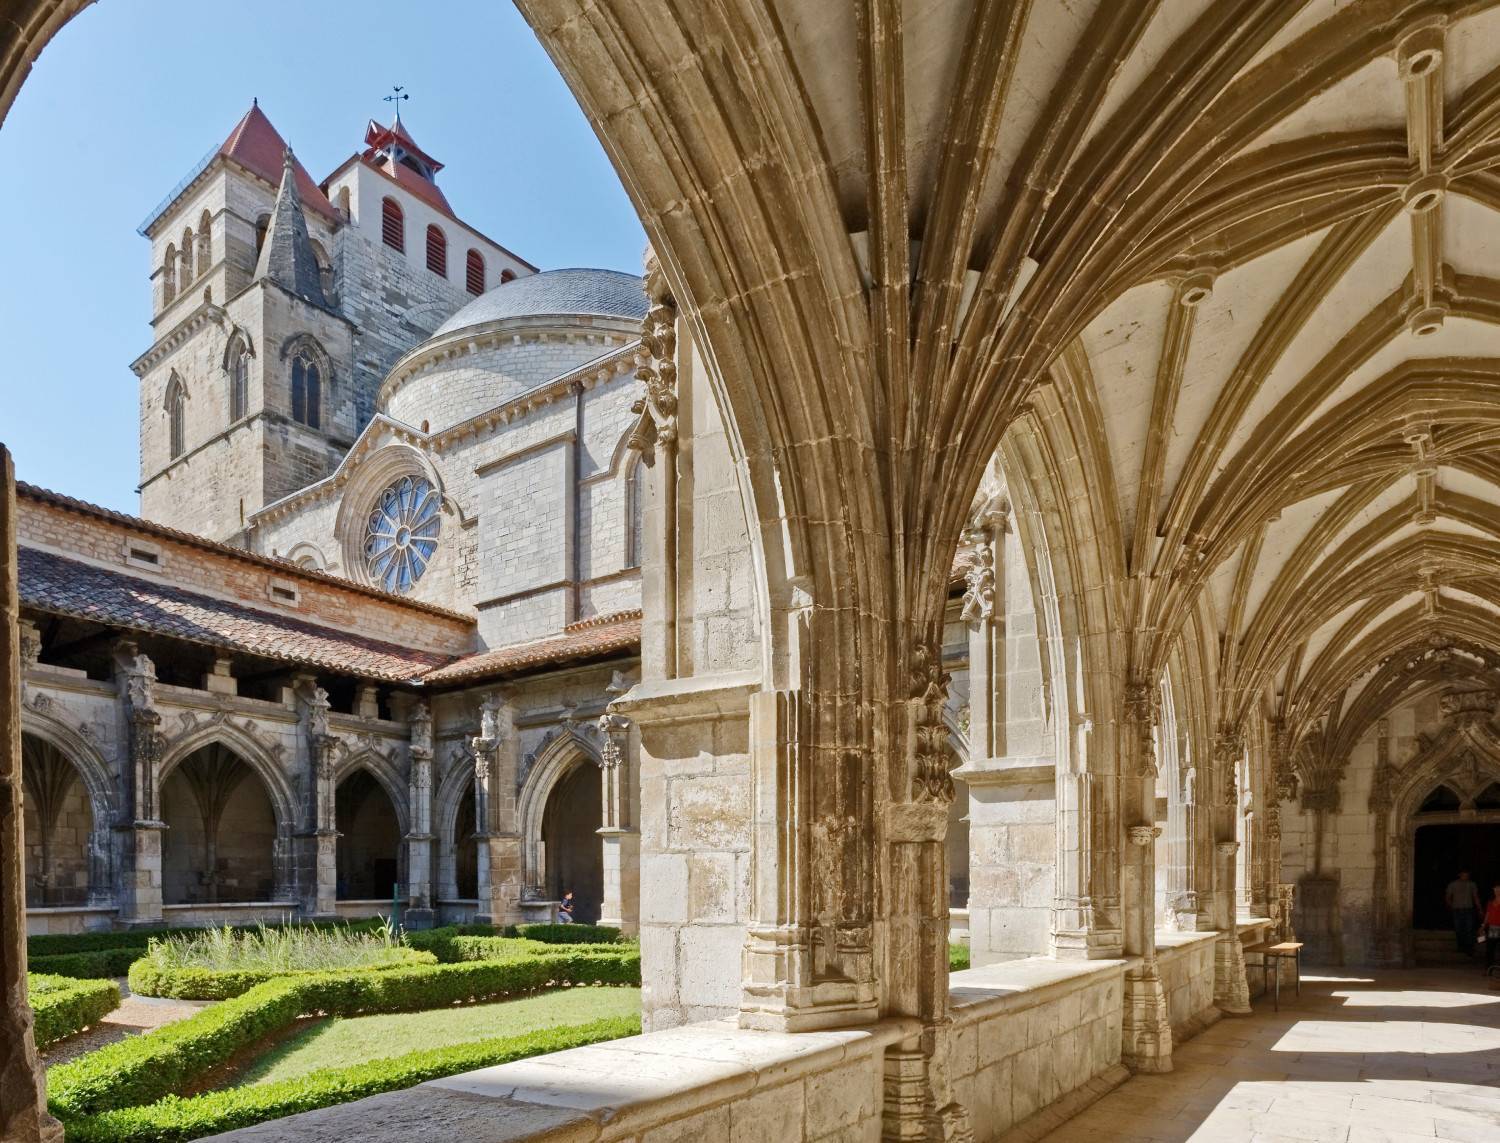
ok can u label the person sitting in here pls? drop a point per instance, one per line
(565, 909)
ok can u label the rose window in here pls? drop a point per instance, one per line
(402, 534)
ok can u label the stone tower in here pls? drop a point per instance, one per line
(279, 306)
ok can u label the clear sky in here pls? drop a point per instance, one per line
(132, 93)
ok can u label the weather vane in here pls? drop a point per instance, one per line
(398, 93)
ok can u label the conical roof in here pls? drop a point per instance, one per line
(287, 258)
(258, 147)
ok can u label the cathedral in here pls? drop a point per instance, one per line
(355, 654)
(1040, 495)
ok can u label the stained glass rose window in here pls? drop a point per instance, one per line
(402, 534)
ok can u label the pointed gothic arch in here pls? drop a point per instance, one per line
(176, 409)
(556, 762)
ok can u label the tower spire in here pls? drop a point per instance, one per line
(287, 256)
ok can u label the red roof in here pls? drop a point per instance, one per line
(257, 146)
(60, 586)
(378, 135)
(595, 638)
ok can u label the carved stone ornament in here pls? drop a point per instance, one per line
(1144, 835)
(421, 728)
(1142, 713)
(657, 409)
(1227, 848)
(614, 733)
(931, 781)
(979, 598)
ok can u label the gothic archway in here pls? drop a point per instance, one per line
(554, 764)
(224, 841)
(569, 851)
(67, 840)
(370, 857)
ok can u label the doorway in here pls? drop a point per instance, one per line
(1440, 852)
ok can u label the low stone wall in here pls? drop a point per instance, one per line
(228, 913)
(70, 919)
(1186, 964)
(1254, 930)
(1035, 1041)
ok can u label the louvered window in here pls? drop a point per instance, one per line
(392, 224)
(437, 251)
(474, 272)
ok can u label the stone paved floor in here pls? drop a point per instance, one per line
(1361, 1057)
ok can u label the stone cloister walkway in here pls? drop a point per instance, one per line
(1362, 1056)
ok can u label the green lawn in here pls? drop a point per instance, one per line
(338, 1043)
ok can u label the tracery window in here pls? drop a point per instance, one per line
(169, 274)
(392, 224)
(205, 242)
(307, 391)
(437, 251)
(402, 533)
(187, 258)
(176, 416)
(474, 272)
(239, 381)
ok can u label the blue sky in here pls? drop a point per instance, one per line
(132, 93)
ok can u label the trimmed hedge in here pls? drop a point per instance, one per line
(60, 944)
(566, 934)
(149, 979)
(64, 1005)
(173, 1119)
(958, 957)
(89, 965)
(147, 1068)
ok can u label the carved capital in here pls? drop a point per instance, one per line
(931, 781)
(1143, 835)
(1227, 848)
(614, 736)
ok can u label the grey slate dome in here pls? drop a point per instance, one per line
(601, 293)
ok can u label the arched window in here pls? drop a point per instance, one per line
(507, 276)
(343, 203)
(176, 416)
(392, 224)
(205, 242)
(307, 391)
(262, 225)
(437, 251)
(187, 258)
(325, 268)
(239, 380)
(474, 272)
(169, 275)
(635, 512)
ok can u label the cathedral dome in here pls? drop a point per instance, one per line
(600, 293)
(510, 340)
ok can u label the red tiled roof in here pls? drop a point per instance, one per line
(285, 567)
(589, 639)
(411, 182)
(60, 586)
(257, 146)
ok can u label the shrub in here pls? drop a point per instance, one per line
(59, 944)
(64, 1005)
(958, 958)
(147, 1068)
(102, 963)
(566, 934)
(148, 978)
(173, 1119)
(279, 948)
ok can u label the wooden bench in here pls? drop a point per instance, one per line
(1272, 953)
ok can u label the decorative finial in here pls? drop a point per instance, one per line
(286, 158)
(396, 96)
(255, 101)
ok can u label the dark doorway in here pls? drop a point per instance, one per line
(570, 837)
(1441, 851)
(369, 845)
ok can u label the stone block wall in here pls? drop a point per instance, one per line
(1186, 964)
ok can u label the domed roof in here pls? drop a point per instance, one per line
(603, 293)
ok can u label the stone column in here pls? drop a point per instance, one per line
(317, 842)
(1231, 989)
(1385, 941)
(419, 911)
(140, 827)
(500, 873)
(1147, 1031)
(619, 838)
(23, 1100)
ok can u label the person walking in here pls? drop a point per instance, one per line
(1462, 897)
(565, 909)
(1492, 927)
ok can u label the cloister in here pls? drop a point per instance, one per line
(1137, 358)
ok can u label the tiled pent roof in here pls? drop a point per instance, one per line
(592, 638)
(60, 586)
(57, 585)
